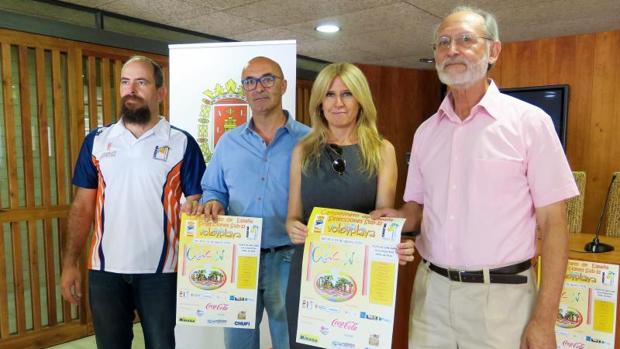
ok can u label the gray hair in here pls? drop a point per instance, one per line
(157, 72)
(490, 23)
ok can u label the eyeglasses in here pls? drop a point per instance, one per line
(464, 40)
(338, 163)
(266, 81)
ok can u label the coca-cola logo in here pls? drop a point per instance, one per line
(346, 325)
(569, 344)
(217, 307)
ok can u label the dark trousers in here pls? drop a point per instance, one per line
(114, 298)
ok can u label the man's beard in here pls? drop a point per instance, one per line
(474, 72)
(140, 114)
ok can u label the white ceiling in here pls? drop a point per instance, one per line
(381, 32)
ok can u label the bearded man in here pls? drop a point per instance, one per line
(130, 176)
(486, 170)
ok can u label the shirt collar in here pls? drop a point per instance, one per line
(160, 130)
(492, 102)
(288, 125)
(489, 102)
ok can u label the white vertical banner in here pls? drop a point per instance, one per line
(206, 98)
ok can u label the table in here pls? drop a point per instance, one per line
(578, 241)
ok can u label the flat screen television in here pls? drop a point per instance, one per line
(553, 99)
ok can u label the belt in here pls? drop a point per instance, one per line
(275, 249)
(504, 275)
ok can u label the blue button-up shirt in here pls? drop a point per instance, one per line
(251, 178)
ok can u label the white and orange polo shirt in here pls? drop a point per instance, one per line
(139, 182)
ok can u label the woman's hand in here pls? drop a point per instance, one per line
(297, 231)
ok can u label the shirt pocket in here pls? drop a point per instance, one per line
(496, 180)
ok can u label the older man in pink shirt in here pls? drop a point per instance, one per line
(485, 171)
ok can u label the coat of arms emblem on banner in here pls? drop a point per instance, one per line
(223, 108)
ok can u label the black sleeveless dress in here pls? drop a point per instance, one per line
(323, 186)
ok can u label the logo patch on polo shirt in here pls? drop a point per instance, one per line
(109, 153)
(161, 152)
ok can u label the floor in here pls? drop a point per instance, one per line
(89, 342)
(187, 337)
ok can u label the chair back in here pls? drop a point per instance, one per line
(575, 205)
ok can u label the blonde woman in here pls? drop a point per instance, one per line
(342, 163)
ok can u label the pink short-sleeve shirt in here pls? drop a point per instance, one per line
(481, 179)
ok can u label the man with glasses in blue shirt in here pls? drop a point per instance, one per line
(249, 176)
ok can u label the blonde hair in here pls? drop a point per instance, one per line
(368, 138)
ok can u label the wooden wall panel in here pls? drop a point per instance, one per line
(106, 91)
(165, 105)
(4, 299)
(118, 64)
(75, 101)
(26, 115)
(58, 129)
(50, 80)
(589, 65)
(404, 99)
(92, 92)
(76, 131)
(9, 125)
(45, 186)
(302, 95)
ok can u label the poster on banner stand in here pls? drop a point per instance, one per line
(349, 276)
(206, 97)
(587, 314)
(217, 275)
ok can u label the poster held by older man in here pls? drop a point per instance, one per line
(587, 314)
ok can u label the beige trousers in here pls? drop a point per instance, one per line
(450, 314)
